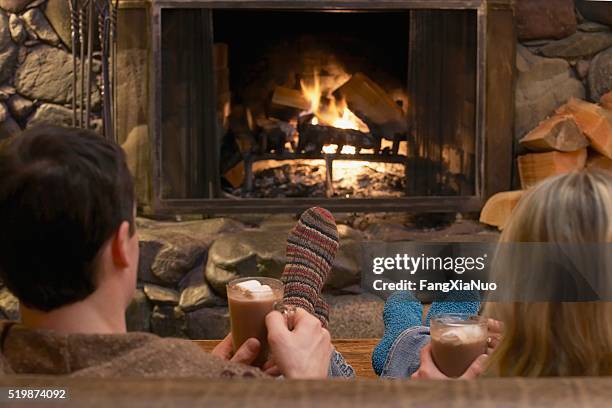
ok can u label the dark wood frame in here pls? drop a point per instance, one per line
(494, 113)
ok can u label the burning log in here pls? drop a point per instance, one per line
(594, 121)
(560, 132)
(374, 106)
(273, 135)
(291, 98)
(314, 137)
(498, 208)
(535, 167)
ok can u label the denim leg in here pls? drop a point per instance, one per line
(404, 356)
(338, 367)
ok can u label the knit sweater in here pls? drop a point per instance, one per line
(43, 352)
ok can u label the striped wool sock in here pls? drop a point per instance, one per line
(311, 248)
(321, 310)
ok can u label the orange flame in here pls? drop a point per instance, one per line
(335, 112)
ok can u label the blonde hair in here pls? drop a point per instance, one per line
(558, 338)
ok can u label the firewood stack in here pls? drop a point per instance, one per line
(563, 142)
(579, 134)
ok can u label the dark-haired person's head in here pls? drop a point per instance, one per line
(66, 219)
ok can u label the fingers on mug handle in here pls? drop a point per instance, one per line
(288, 312)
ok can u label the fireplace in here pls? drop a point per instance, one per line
(355, 105)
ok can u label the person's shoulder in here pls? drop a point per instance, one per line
(154, 356)
(188, 355)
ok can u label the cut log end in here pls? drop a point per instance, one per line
(498, 209)
(594, 121)
(235, 175)
(559, 132)
(535, 167)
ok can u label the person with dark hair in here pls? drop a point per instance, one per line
(69, 253)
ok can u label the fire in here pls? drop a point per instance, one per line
(348, 150)
(333, 148)
(329, 149)
(332, 112)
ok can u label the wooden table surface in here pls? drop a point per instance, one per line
(357, 352)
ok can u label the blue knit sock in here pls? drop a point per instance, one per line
(454, 303)
(401, 312)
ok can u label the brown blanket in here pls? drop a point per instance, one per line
(28, 351)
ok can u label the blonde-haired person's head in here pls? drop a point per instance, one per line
(557, 338)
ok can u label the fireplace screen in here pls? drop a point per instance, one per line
(272, 104)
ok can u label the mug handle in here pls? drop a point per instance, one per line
(288, 312)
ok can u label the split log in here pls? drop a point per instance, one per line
(240, 124)
(367, 100)
(536, 167)
(606, 101)
(496, 212)
(559, 132)
(594, 121)
(220, 55)
(314, 137)
(599, 161)
(291, 98)
(273, 135)
(235, 175)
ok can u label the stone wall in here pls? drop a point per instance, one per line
(185, 266)
(564, 51)
(36, 66)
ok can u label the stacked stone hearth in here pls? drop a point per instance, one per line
(36, 66)
(184, 267)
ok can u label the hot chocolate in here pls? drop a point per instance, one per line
(456, 341)
(250, 300)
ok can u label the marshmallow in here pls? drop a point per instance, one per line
(254, 288)
(265, 288)
(250, 285)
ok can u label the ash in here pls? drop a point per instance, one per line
(350, 180)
